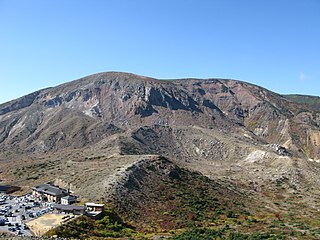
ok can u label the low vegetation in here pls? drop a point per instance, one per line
(164, 197)
(264, 226)
(110, 225)
(312, 101)
(224, 233)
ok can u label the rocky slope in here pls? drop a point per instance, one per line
(86, 111)
(88, 134)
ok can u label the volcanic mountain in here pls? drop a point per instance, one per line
(85, 111)
(100, 136)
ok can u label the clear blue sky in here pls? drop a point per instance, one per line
(272, 43)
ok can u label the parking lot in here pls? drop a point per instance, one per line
(15, 212)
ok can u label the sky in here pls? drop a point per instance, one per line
(271, 43)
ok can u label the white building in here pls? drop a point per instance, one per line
(67, 200)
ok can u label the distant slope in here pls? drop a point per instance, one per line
(312, 101)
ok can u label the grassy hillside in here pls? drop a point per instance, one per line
(312, 101)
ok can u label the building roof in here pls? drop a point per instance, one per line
(70, 198)
(4, 188)
(9, 189)
(50, 189)
(68, 207)
(94, 205)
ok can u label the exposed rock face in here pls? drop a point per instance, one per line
(85, 111)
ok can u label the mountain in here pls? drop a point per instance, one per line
(93, 134)
(85, 111)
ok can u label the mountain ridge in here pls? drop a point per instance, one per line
(150, 101)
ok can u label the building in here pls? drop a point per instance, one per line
(94, 207)
(67, 200)
(4, 189)
(74, 209)
(8, 189)
(50, 193)
(94, 210)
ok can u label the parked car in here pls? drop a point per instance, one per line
(2, 222)
(24, 227)
(8, 207)
(8, 214)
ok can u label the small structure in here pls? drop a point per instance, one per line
(68, 200)
(94, 210)
(74, 209)
(4, 189)
(49, 192)
(8, 189)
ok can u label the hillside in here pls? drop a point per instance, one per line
(117, 137)
(310, 101)
(86, 111)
